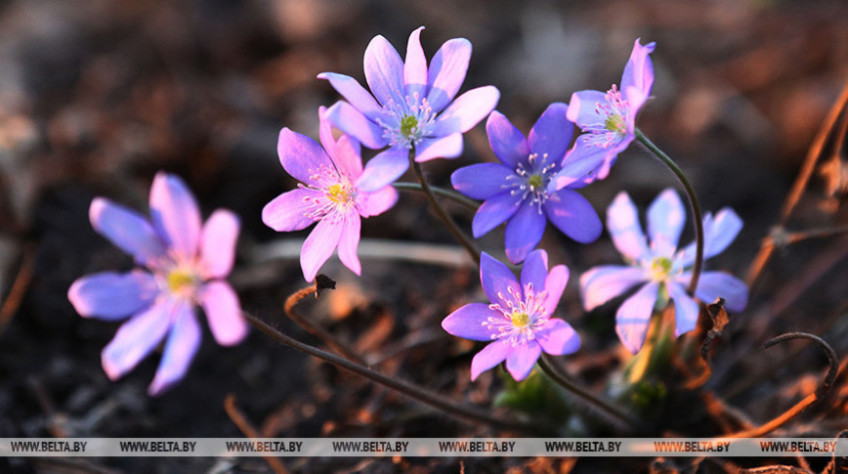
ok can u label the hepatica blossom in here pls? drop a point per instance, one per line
(516, 189)
(327, 194)
(185, 266)
(518, 321)
(413, 108)
(661, 266)
(608, 118)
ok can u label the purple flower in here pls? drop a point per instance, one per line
(328, 194)
(608, 118)
(661, 267)
(186, 266)
(411, 109)
(518, 321)
(516, 189)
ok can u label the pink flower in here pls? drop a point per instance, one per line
(327, 194)
(186, 264)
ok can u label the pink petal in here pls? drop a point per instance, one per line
(624, 227)
(127, 230)
(354, 93)
(521, 359)
(639, 70)
(179, 351)
(384, 71)
(558, 338)
(467, 111)
(301, 156)
(582, 109)
(218, 244)
(113, 296)
(138, 337)
(352, 122)
(292, 210)
(377, 202)
(175, 214)
(603, 283)
(382, 170)
(447, 72)
(223, 312)
(554, 286)
(415, 65)
(319, 246)
(347, 157)
(440, 147)
(471, 322)
(349, 241)
(634, 315)
(491, 355)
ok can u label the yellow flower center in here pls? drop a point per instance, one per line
(179, 279)
(408, 124)
(535, 181)
(519, 319)
(661, 267)
(615, 123)
(338, 193)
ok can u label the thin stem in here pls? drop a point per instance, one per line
(451, 225)
(317, 331)
(411, 390)
(609, 411)
(693, 202)
(456, 197)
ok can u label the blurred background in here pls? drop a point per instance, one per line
(96, 96)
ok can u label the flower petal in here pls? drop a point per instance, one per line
(447, 71)
(302, 156)
(415, 65)
(639, 70)
(554, 286)
(320, 244)
(481, 180)
(471, 322)
(506, 141)
(623, 225)
(349, 242)
(552, 133)
(520, 361)
(467, 111)
(352, 122)
(583, 108)
(138, 337)
(666, 217)
(712, 285)
(439, 147)
(524, 231)
(383, 169)
(719, 233)
(685, 309)
(354, 93)
(223, 312)
(377, 202)
(127, 230)
(218, 243)
(535, 270)
(175, 214)
(290, 211)
(558, 337)
(490, 356)
(384, 71)
(582, 165)
(632, 318)
(347, 157)
(603, 283)
(113, 296)
(498, 282)
(182, 344)
(572, 214)
(493, 212)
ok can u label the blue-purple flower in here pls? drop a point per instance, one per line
(661, 266)
(327, 194)
(517, 188)
(518, 321)
(186, 264)
(608, 118)
(413, 108)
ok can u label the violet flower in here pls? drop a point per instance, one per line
(518, 321)
(516, 189)
(327, 194)
(661, 267)
(608, 118)
(411, 109)
(186, 264)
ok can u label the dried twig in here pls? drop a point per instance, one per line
(247, 428)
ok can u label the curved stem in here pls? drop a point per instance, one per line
(409, 389)
(693, 202)
(609, 411)
(451, 225)
(456, 197)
